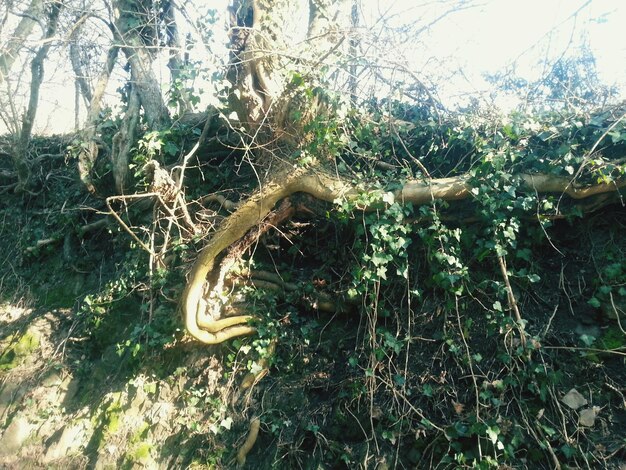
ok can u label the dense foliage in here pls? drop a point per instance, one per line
(364, 282)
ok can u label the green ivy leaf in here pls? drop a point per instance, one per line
(594, 302)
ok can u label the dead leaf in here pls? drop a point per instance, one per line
(588, 416)
(574, 399)
(458, 407)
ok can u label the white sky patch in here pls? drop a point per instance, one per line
(483, 37)
(504, 34)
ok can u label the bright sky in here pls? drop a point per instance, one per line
(524, 31)
(487, 36)
(491, 35)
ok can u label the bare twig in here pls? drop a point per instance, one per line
(512, 301)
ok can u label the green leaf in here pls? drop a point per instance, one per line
(389, 198)
(492, 433)
(171, 148)
(594, 302)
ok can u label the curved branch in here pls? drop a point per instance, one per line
(330, 188)
(233, 229)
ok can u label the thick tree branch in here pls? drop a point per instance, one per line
(89, 148)
(11, 49)
(331, 188)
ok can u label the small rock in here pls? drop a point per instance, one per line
(52, 380)
(10, 394)
(70, 441)
(574, 399)
(587, 416)
(70, 385)
(14, 436)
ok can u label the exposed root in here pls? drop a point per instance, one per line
(82, 231)
(255, 424)
(252, 378)
(221, 200)
(326, 187)
(234, 229)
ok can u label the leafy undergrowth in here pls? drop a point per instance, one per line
(420, 362)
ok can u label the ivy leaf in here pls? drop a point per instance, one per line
(594, 302)
(389, 198)
(171, 148)
(382, 272)
(534, 278)
(226, 423)
(492, 433)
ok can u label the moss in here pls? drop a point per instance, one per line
(141, 433)
(58, 297)
(107, 422)
(141, 453)
(613, 338)
(111, 416)
(17, 349)
(113, 420)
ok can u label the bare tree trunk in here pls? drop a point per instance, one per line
(21, 162)
(130, 21)
(10, 50)
(77, 67)
(89, 149)
(124, 140)
(175, 63)
(353, 54)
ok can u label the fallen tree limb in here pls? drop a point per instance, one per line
(329, 188)
(81, 231)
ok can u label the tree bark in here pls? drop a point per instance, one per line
(124, 140)
(330, 188)
(175, 63)
(130, 18)
(21, 163)
(89, 147)
(79, 74)
(11, 49)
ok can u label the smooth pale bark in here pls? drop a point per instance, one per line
(264, 51)
(79, 74)
(11, 50)
(148, 87)
(330, 188)
(124, 140)
(176, 63)
(89, 147)
(21, 163)
(130, 19)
